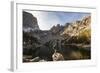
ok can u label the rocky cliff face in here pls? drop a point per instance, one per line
(79, 29)
(29, 22)
(75, 27)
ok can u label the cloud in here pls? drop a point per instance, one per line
(46, 19)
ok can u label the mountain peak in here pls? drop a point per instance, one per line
(29, 22)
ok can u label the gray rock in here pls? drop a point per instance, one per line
(36, 59)
(29, 22)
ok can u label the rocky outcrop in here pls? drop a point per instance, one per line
(29, 22)
(57, 56)
(75, 27)
(78, 30)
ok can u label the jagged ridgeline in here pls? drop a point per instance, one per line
(79, 31)
(70, 41)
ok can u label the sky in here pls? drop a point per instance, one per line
(47, 19)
